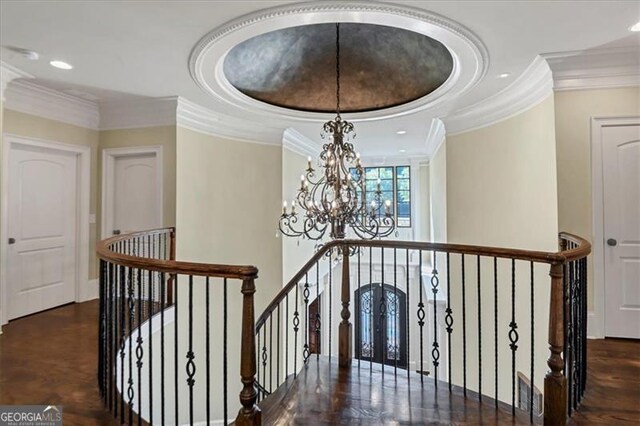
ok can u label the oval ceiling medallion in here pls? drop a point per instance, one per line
(395, 60)
(380, 67)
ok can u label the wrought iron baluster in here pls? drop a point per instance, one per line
(371, 320)
(317, 323)
(131, 306)
(173, 278)
(259, 359)
(532, 347)
(359, 315)
(479, 331)
(296, 324)
(123, 307)
(495, 328)
(448, 319)
(396, 313)
(225, 353)
(464, 329)
(286, 337)
(191, 366)
(383, 316)
(330, 299)
(407, 335)
(421, 317)
(151, 302)
(207, 343)
(305, 295)
(513, 337)
(265, 357)
(162, 308)
(435, 351)
(270, 352)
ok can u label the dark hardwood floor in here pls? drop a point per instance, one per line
(50, 358)
(612, 396)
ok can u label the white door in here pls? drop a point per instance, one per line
(42, 228)
(621, 181)
(136, 198)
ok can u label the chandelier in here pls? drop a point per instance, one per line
(334, 197)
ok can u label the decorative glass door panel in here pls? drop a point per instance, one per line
(381, 325)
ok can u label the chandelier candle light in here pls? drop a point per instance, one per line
(336, 198)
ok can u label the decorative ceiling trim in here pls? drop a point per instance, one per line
(30, 98)
(595, 68)
(435, 137)
(471, 58)
(533, 86)
(295, 141)
(204, 120)
(134, 114)
(7, 74)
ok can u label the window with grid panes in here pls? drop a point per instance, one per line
(395, 186)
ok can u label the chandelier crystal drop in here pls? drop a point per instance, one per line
(333, 197)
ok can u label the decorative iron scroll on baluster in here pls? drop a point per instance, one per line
(421, 317)
(305, 295)
(435, 352)
(448, 319)
(513, 337)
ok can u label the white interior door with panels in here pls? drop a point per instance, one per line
(132, 190)
(621, 196)
(46, 240)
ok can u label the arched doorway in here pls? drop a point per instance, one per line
(381, 324)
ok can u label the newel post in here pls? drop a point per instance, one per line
(249, 414)
(344, 331)
(555, 383)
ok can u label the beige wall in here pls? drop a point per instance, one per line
(164, 136)
(26, 125)
(502, 191)
(438, 194)
(228, 202)
(573, 113)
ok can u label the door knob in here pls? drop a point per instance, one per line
(12, 240)
(612, 242)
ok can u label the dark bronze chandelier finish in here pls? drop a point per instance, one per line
(335, 199)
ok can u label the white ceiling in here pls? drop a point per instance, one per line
(127, 50)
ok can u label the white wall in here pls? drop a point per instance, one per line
(438, 194)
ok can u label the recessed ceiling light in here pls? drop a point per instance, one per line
(402, 150)
(635, 28)
(504, 75)
(401, 132)
(61, 65)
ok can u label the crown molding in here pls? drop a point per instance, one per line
(30, 98)
(295, 141)
(151, 112)
(204, 120)
(595, 68)
(435, 137)
(7, 74)
(533, 86)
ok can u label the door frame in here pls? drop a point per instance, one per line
(108, 181)
(83, 179)
(596, 319)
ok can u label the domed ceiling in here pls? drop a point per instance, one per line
(380, 67)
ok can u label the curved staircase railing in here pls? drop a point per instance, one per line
(156, 331)
(151, 355)
(438, 310)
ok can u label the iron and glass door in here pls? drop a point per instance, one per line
(381, 325)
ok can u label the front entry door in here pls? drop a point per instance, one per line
(42, 229)
(621, 181)
(380, 327)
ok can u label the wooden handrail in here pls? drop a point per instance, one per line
(584, 248)
(169, 266)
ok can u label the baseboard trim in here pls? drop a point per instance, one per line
(90, 291)
(594, 326)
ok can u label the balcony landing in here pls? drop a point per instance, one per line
(324, 394)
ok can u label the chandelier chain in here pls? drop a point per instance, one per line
(338, 69)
